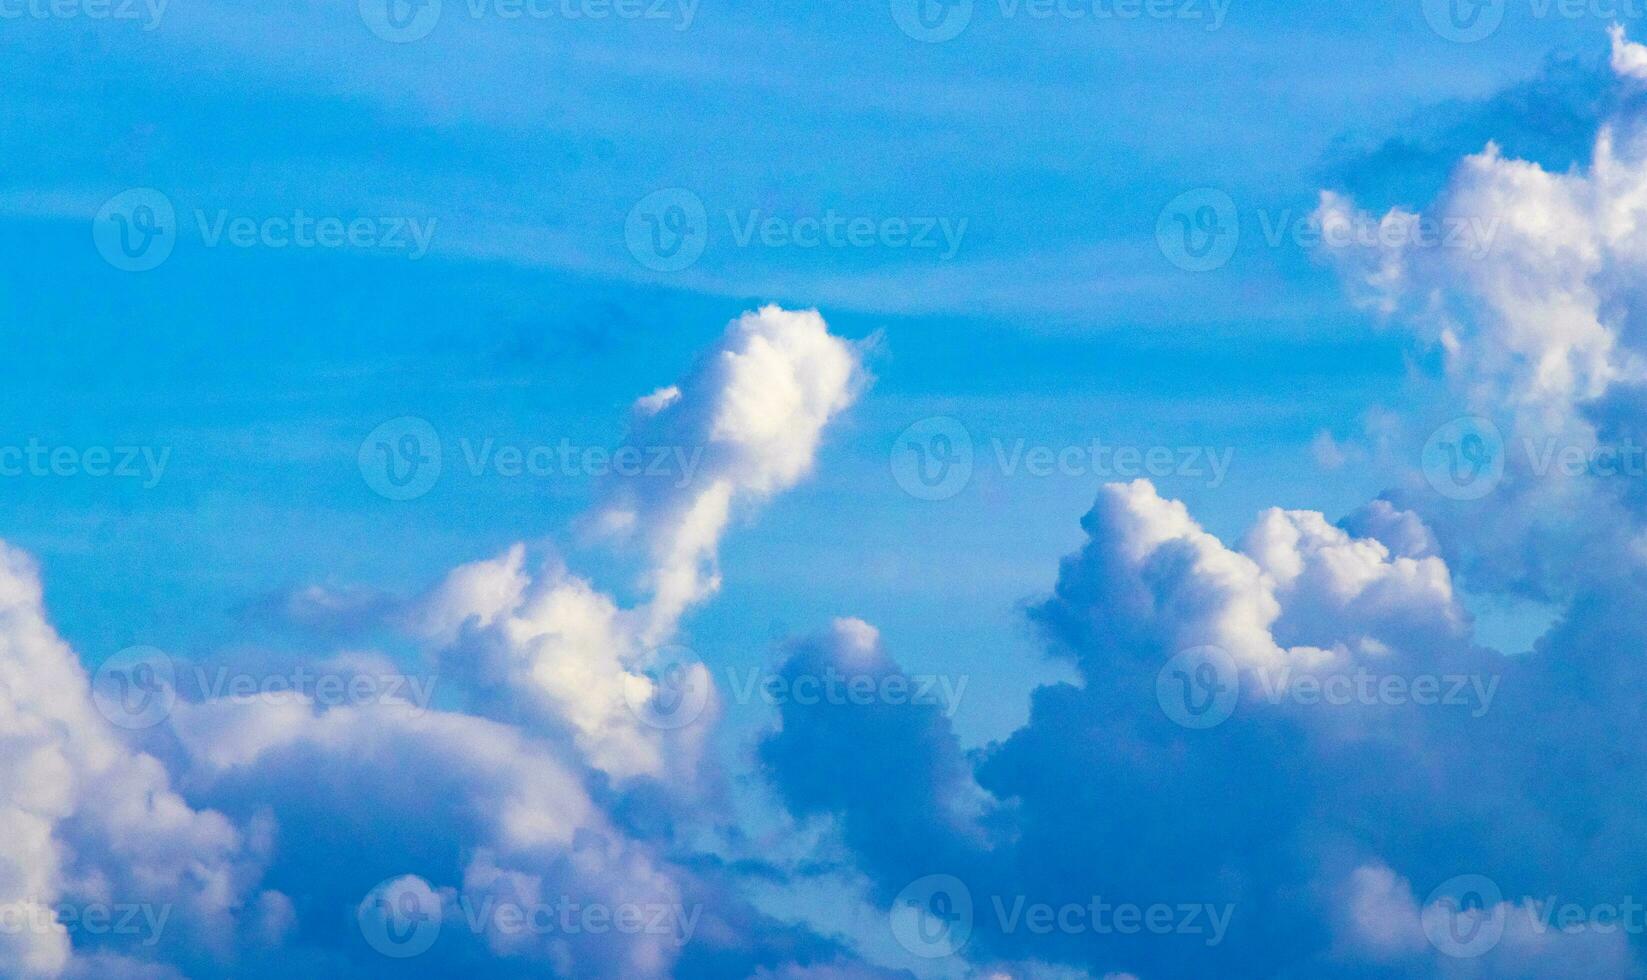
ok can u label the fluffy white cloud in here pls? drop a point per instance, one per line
(563, 653)
(1162, 573)
(1338, 589)
(1298, 593)
(1527, 278)
(84, 818)
(756, 407)
(1629, 59)
(1529, 281)
(745, 424)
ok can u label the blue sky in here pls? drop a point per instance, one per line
(1057, 142)
(1039, 309)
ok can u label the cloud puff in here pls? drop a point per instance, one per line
(1528, 281)
(1629, 60)
(1150, 578)
(745, 424)
(750, 417)
(552, 651)
(1524, 276)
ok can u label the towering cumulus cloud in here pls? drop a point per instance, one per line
(756, 406)
(744, 425)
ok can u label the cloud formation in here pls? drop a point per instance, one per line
(337, 837)
(1303, 728)
(1288, 754)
